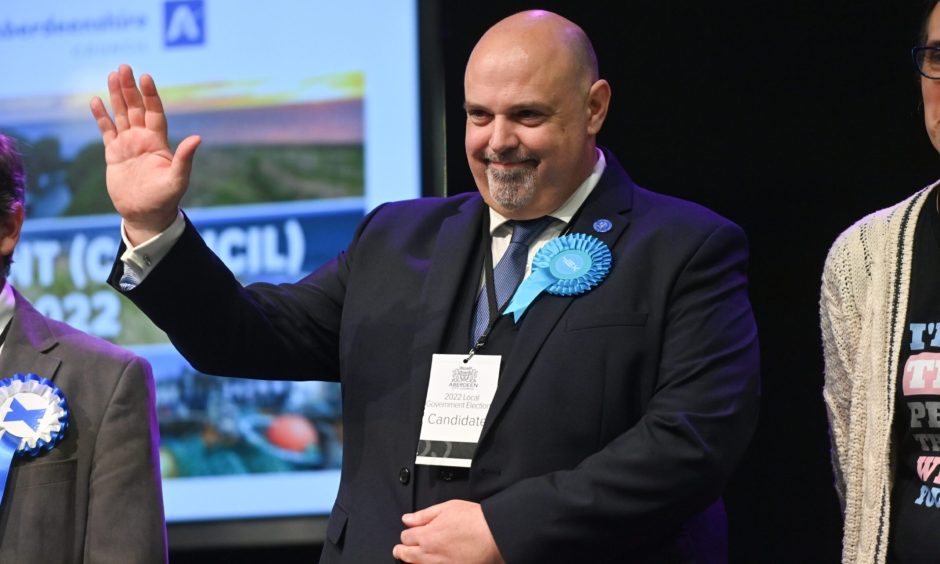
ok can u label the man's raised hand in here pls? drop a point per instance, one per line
(145, 179)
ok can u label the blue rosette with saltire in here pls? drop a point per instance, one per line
(33, 418)
(566, 266)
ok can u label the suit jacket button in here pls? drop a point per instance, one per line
(404, 476)
(447, 475)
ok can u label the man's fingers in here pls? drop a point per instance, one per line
(406, 553)
(409, 537)
(132, 107)
(422, 517)
(132, 97)
(105, 125)
(117, 102)
(154, 116)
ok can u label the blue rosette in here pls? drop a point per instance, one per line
(566, 266)
(33, 418)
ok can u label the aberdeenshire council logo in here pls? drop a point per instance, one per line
(463, 378)
(184, 23)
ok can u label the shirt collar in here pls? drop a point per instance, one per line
(566, 211)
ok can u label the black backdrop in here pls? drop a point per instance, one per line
(793, 119)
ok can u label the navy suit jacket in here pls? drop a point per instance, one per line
(619, 414)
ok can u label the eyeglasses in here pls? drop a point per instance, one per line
(927, 61)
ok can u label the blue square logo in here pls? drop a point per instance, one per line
(184, 23)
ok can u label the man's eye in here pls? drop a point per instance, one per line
(529, 116)
(933, 57)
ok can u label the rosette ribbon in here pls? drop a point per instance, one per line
(566, 266)
(33, 418)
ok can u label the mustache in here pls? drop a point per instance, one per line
(512, 157)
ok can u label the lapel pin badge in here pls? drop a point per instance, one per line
(603, 225)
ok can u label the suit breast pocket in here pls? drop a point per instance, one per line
(43, 474)
(578, 321)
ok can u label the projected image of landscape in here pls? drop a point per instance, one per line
(296, 148)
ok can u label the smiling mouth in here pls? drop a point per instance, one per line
(514, 163)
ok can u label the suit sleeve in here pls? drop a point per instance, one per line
(675, 461)
(284, 332)
(125, 501)
(840, 326)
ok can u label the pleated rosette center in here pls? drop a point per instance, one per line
(33, 413)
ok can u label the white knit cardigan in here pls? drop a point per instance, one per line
(863, 306)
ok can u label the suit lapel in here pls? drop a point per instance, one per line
(453, 248)
(611, 199)
(28, 343)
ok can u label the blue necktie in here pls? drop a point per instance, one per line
(509, 272)
(129, 280)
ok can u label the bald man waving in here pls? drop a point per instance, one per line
(560, 367)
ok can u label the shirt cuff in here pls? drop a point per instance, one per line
(143, 258)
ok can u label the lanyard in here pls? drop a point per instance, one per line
(489, 287)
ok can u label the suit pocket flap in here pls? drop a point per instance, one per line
(41, 474)
(605, 319)
(337, 524)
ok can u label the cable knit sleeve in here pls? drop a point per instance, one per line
(844, 278)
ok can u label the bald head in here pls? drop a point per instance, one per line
(534, 106)
(538, 37)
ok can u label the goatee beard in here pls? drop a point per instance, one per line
(512, 189)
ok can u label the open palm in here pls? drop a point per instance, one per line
(145, 179)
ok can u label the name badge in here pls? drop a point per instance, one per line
(459, 396)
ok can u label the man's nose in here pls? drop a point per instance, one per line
(503, 135)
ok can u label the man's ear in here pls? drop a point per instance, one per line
(598, 102)
(10, 229)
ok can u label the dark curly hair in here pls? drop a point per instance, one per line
(12, 187)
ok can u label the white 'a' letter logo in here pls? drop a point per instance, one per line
(182, 25)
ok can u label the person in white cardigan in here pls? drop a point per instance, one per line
(880, 318)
